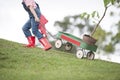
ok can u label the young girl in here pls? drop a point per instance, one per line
(34, 13)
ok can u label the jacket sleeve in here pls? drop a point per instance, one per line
(43, 21)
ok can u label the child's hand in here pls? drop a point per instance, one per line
(44, 35)
(37, 19)
(34, 13)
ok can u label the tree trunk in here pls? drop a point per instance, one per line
(99, 21)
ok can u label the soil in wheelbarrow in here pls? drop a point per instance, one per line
(89, 39)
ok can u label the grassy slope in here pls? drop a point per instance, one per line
(19, 63)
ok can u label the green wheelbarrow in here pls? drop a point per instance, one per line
(85, 50)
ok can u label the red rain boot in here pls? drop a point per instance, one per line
(45, 43)
(31, 41)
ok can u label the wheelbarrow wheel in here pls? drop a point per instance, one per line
(90, 55)
(68, 46)
(58, 43)
(80, 54)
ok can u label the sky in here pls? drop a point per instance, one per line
(13, 16)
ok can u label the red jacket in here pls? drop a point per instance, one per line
(43, 21)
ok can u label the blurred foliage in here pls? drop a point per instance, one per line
(116, 38)
(107, 2)
(86, 23)
(65, 23)
(100, 34)
(109, 48)
(76, 21)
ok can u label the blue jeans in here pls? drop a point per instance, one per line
(32, 24)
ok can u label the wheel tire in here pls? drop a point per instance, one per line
(58, 43)
(68, 46)
(80, 54)
(90, 55)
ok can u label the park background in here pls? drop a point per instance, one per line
(13, 17)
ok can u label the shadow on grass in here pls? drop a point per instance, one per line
(3, 56)
(5, 61)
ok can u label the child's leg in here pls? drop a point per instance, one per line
(30, 38)
(26, 28)
(40, 37)
(35, 29)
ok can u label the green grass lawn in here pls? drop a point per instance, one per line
(19, 63)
